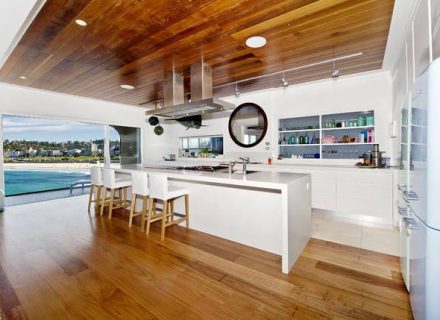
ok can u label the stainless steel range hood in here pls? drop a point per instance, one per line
(201, 95)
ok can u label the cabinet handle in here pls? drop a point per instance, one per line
(403, 187)
(410, 196)
(410, 223)
(403, 211)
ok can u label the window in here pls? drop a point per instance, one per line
(203, 146)
(46, 155)
(42, 155)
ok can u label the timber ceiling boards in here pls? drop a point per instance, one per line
(132, 42)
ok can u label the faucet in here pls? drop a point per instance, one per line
(231, 165)
(245, 162)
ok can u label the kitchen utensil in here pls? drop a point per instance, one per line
(153, 120)
(367, 158)
(158, 130)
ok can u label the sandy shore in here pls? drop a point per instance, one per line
(60, 166)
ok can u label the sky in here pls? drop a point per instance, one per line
(25, 128)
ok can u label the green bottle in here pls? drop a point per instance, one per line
(306, 139)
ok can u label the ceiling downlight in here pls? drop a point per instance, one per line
(127, 86)
(81, 23)
(256, 42)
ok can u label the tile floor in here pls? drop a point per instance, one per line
(355, 233)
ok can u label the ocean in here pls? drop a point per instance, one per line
(21, 181)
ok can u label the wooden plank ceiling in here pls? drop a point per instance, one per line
(134, 41)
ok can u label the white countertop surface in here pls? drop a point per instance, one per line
(275, 165)
(263, 179)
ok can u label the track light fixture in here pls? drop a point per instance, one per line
(285, 83)
(335, 71)
(237, 93)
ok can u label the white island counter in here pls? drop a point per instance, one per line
(270, 211)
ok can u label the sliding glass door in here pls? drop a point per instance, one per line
(46, 155)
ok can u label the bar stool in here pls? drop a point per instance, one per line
(95, 182)
(159, 190)
(139, 188)
(111, 184)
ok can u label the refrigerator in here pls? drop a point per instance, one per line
(423, 195)
(403, 186)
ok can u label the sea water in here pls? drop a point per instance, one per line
(20, 181)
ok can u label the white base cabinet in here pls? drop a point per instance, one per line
(364, 194)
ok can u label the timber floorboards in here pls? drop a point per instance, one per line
(59, 262)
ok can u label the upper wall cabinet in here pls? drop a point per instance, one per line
(422, 43)
(435, 26)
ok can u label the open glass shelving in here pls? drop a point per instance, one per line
(329, 136)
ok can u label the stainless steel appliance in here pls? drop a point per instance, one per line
(376, 156)
(422, 196)
(170, 157)
(201, 101)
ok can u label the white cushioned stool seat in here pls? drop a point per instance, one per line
(96, 182)
(160, 191)
(111, 184)
(174, 192)
(139, 188)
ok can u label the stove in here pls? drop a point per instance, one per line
(202, 168)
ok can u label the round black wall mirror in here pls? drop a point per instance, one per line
(248, 125)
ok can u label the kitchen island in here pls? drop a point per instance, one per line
(235, 207)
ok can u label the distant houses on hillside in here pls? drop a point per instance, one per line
(32, 149)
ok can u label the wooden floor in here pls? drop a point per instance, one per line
(57, 262)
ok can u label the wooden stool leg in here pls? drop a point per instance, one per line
(110, 208)
(90, 196)
(98, 199)
(150, 214)
(172, 210)
(144, 212)
(125, 197)
(133, 207)
(104, 196)
(187, 210)
(164, 219)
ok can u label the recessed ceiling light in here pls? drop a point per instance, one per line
(127, 87)
(256, 42)
(80, 22)
(23, 78)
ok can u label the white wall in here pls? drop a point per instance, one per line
(352, 93)
(18, 100)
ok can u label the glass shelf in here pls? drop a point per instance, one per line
(322, 150)
(349, 144)
(348, 128)
(293, 131)
(299, 145)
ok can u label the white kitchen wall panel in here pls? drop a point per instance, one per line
(422, 38)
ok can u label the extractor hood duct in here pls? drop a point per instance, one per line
(201, 95)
